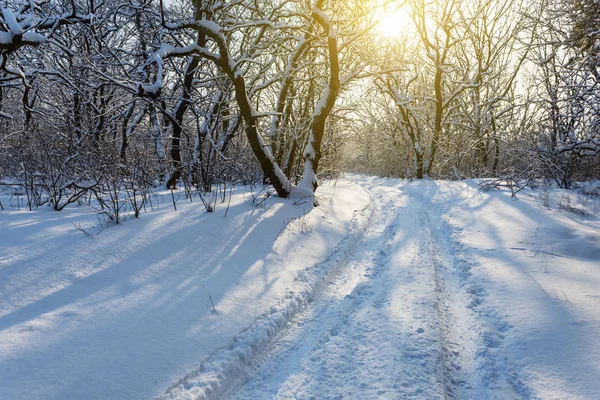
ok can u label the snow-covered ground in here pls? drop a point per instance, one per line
(390, 290)
(126, 313)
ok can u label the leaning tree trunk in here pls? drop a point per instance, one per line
(312, 151)
(250, 116)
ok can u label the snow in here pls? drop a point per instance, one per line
(309, 178)
(371, 332)
(15, 71)
(322, 103)
(535, 271)
(323, 19)
(11, 22)
(322, 15)
(426, 308)
(6, 38)
(16, 30)
(166, 51)
(126, 314)
(157, 58)
(211, 26)
(34, 38)
(278, 172)
(390, 289)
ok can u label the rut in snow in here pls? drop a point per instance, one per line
(394, 321)
(472, 359)
(378, 330)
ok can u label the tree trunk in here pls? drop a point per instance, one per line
(182, 107)
(312, 151)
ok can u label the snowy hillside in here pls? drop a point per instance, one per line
(389, 290)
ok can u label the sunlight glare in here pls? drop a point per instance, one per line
(393, 24)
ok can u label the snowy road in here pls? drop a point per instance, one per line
(390, 290)
(398, 321)
(378, 328)
(443, 293)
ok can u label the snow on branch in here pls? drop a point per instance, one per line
(24, 28)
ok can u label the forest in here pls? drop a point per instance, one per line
(100, 97)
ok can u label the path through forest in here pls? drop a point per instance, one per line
(403, 317)
(396, 323)
(390, 290)
(383, 326)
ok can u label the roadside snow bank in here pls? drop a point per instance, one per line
(532, 268)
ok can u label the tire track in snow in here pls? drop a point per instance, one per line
(463, 373)
(446, 367)
(374, 332)
(393, 313)
(329, 340)
(229, 364)
(473, 333)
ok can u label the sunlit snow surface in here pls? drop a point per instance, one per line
(391, 289)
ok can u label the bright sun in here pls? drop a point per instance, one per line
(393, 24)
